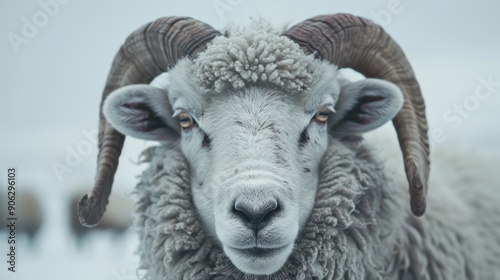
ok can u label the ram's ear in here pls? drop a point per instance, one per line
(141, 111)
(366, 105)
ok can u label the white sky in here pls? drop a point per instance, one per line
(51, 87)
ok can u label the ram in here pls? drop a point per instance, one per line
(262, 171)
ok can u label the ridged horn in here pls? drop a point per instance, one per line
(358, 43)
(149, 51)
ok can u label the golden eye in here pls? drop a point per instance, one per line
(322, 115)
(185, 120)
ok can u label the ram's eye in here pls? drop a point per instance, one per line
(185, 120)
(322, 115)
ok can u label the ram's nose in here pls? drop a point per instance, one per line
(256, 216)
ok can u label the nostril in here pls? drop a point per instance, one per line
(255, 216)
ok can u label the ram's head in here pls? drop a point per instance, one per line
(253, 112)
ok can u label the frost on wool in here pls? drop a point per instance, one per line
(254, 55)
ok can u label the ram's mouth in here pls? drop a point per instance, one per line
(259, 260)
(258, 252)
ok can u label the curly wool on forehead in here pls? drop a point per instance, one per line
(253, 55)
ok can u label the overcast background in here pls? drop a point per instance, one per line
(52, 76)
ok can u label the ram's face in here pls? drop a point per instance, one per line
(254, 157)
(254, 153)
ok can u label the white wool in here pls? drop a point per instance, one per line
(254, 55)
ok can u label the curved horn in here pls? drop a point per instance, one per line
(360, 44)
(149, 51)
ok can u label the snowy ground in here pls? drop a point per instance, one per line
(50, 87)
